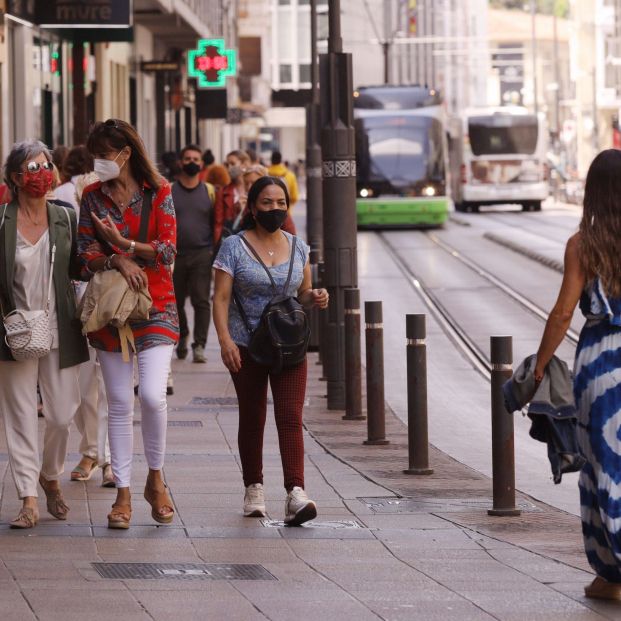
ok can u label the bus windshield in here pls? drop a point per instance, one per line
(399, 151)
(503, 134)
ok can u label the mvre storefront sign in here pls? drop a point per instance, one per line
(73, 13)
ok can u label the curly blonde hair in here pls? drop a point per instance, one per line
(600, 227)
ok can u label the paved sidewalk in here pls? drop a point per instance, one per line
(437, 556)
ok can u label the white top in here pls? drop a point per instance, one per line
(31, 279)
(66, 192)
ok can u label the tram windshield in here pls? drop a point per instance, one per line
(395, 154)
(503, 134)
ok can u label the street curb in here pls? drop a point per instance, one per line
(553, 264)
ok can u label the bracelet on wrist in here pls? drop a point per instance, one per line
(108, 262)
(132, 247)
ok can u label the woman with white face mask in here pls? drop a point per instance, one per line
(110, 222)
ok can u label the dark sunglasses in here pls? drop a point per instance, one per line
(33, 167)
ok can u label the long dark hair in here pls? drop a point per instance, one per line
(600, 227)
(113, 135)
(259, 185)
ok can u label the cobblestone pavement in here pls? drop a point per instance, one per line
(384, 546)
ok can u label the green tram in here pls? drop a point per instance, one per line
(401, 157)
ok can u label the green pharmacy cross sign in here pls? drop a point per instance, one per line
(210, 63)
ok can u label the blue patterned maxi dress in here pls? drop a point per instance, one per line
(597, 389)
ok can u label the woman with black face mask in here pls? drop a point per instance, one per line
(238, 271)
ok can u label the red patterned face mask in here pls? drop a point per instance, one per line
(39, 183)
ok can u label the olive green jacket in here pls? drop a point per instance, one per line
(72, 345)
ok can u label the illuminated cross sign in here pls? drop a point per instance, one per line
(211, 64)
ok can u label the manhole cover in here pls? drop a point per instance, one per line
(336, 524)
(178, 423)
(436, 505)
(182, 571)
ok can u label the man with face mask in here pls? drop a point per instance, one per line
(193, 201)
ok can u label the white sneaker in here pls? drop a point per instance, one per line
(299, 508)
(254, 501)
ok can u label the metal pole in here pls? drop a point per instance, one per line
(557, 79)
(353, 376)
(418, 439)
(533, 35)
(314, 215)
(376, 405)
(80, 129)
(339, 199)
(503, 453)
(387, 38)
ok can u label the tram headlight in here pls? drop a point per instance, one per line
(366, 192)
(429, 190)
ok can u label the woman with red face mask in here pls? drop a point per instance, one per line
(38, 245)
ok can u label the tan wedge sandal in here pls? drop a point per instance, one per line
(56, 505)
(26, 518)
(120, 516)
(162, 510)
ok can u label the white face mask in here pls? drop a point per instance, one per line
(107, 169)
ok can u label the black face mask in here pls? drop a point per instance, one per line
(271, 220)
(191, 169)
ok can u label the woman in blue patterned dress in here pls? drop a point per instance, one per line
(593, 276)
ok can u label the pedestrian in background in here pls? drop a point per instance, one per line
(192, 274)
(278, 169)
(218, 176)
(59, 156)
(33, 232)
(237, 270)
(91, 419)
(110, 221)
(170, 165)
(592, 275)
(208, 161)
(231, 199)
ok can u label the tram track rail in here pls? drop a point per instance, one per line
(451, 327)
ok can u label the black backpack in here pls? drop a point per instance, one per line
(281, 338)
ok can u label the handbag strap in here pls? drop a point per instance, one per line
(238, 303)
(145, 213)
(1, 225)
(51, 279)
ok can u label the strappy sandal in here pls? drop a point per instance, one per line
(56, 505)
(120, 516)
(107, 476)
(162, 510)
(26, 518)
(80, 473)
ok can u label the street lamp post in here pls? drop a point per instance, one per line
(314, 215)
(339, 199)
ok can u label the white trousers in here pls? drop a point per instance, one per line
(60, 394)
(91, 419)
(153, 368)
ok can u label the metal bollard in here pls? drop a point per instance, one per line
(418, 438)
(353, 364)
(313, 313)
(323, 328)
(503, 453)
(374, 333)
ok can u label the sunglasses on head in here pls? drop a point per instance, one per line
(112, 124)
(33, 167)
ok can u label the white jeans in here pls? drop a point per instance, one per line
(91, 419)
(153, 367)
(60, 394)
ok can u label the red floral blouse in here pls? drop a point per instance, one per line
(162, 327)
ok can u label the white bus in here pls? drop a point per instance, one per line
(498, 156)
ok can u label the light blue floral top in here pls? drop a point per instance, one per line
(252, 285)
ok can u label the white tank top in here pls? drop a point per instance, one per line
(32, 276)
